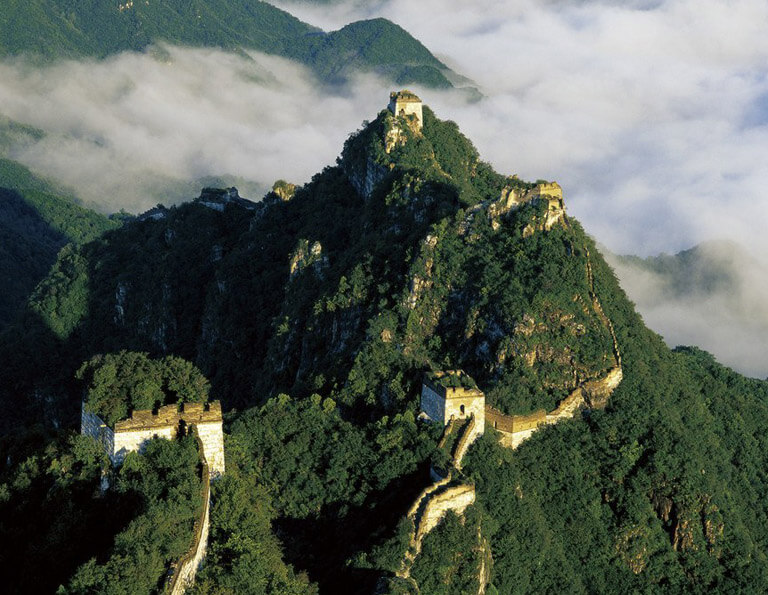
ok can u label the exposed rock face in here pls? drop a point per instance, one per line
(120, 300)
(306, 255)
(285, 191)
(365, 179)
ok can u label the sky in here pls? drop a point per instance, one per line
(653, 116)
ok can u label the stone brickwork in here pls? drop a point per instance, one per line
(133, 440)
(133, 433)
(515, 429)
(454, 498)
(405, 103)
(444, 403)
(550, 189)
(182, 573)
(93, 426)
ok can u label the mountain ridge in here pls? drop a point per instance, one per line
(98, 29)
(315, 313)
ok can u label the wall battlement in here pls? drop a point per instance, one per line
(168, 415)
(452, 394)
(551, 189)
(133, 433)
(406, 103)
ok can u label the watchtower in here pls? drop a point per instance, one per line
(405, 103)
(453, 395)
(133, 433)
(549, 191)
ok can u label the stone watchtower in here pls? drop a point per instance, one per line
(405, 103)
(166, 422)
(453, 395)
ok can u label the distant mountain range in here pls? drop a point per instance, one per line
(52, 29)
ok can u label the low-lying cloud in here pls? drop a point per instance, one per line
(715, 300)
(651, 114)
(141, 128)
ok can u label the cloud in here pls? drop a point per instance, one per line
(651, 114)
(138, 129)
(716, 300)
(639, 109)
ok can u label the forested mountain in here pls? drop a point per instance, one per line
(36, 221)
(314, 314)
(75, 29)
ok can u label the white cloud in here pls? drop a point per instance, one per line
(638, 109)
(721, 306)
(138, 129)
(651, 114)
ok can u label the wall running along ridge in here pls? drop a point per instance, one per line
(437, 499)
(182, 573)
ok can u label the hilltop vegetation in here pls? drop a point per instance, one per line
(98, 29)
(314, 317)
(36, 221)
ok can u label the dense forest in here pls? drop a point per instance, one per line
(313, 316)
(36, 221)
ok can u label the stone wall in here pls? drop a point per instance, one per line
(568, 406)
(92, 425)
(132, 434)
(468, 435)
(514, 423)
(433, 405)
(598, 391)
(454, 498)
(129, 441)
(441, 404)
(182, 573)
(212, 438)
(552, 189)
(405, 103)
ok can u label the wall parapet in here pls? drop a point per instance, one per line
(169, 415)
(182, 573)
(514, 423)
(168, 421)
(451, 498)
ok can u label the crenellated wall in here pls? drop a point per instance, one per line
(132, 434)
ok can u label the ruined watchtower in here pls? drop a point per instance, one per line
(405, 103)
(453, 395)
(552, 194)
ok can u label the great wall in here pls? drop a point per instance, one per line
(182, 573)
(204, 421)
(451, 492)
(462, 409)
